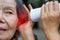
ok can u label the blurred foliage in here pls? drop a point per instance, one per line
(59, 1)
(37, 3)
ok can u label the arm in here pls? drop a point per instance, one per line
(26, 32)
(50, 20)
(25, 29)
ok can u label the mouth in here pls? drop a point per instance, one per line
(2, 30)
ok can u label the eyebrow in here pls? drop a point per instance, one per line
(9, 8)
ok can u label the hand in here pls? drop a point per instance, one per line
(24, 20)
(50, 20)
(25, 25)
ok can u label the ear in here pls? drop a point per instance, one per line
(23, 15)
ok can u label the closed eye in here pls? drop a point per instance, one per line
(9, 12)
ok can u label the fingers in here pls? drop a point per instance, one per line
(50, 10)
(46, 7)
(30, 7)
(45, 10)
(26, 9)
(42, 10)
(50, 6)
(56, 6)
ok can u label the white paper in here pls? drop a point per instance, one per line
(35, 14)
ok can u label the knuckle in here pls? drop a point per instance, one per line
(44, 17)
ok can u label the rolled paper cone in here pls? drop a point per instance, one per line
(35, 14)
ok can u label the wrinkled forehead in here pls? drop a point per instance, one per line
(11, 3)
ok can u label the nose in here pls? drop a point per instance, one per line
(1, 16)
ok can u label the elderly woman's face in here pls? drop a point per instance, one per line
(8, 19)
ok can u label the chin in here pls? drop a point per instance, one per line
(6, 36)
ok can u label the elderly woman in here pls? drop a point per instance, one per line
(10, 20)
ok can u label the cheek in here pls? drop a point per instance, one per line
(11, 21)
